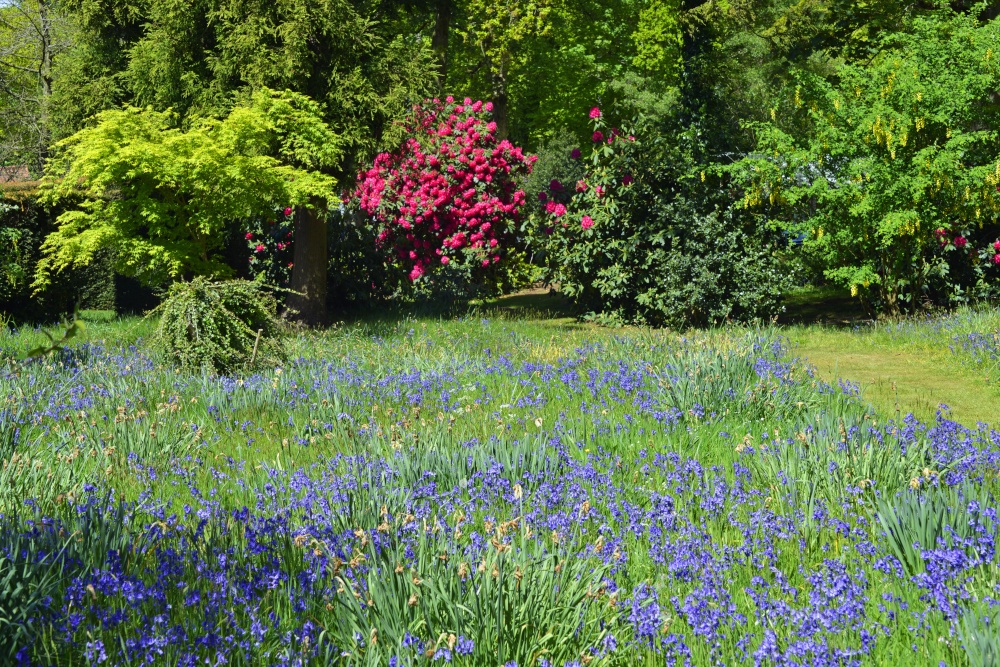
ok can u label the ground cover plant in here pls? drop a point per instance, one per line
(485, 492)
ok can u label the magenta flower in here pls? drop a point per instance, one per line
(627, 179)
(598, 136)
(555, 185)
(288, 210)
(581, 186)
(575, 154)
(558, 210)
(587, 222)
(595, 113)
(249, 236)
(259, 248)
(996, 246)
(961, 241)
(444, 259)
(542, 197)
(996, 259)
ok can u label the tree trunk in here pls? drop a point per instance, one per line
(45, 42)
(308, 304)
(500, 102)
(439, 41)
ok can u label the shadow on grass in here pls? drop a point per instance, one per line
(823, 305)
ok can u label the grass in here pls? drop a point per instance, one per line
(507, 485)
(907, 365)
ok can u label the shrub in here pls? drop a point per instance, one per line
(640, 238)
(889, 171)
(448, 195)
(213, 326)
(24, 225)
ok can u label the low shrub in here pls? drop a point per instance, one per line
(214, 326)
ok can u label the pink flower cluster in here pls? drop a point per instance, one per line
(585, 190)
(991, 252)
(448, 189)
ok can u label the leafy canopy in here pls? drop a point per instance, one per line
(163, 197)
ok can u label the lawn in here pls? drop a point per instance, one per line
(504, 487)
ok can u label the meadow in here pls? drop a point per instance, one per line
(497, 489)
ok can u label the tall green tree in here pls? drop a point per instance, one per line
(200, 57)
(33, 35)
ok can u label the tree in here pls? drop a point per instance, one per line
(892, 183)
(201, 57)
(162, 197)
(544, 63)
(34, 34)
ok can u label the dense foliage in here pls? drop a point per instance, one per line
(639, 236)
(893, 182)
(219, 327)
(804, 116)
(163, 197)
(486, 493)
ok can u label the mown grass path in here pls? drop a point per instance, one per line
(905, 374)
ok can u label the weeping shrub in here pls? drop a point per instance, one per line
(213, 326)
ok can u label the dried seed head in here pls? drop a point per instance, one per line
(412, 601)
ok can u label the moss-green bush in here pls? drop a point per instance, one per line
(213, 326)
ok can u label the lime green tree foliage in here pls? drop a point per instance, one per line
(544, 63)
(659, 39)
(164, 197)
(892, 184)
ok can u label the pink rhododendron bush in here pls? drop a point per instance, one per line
(446, 202)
